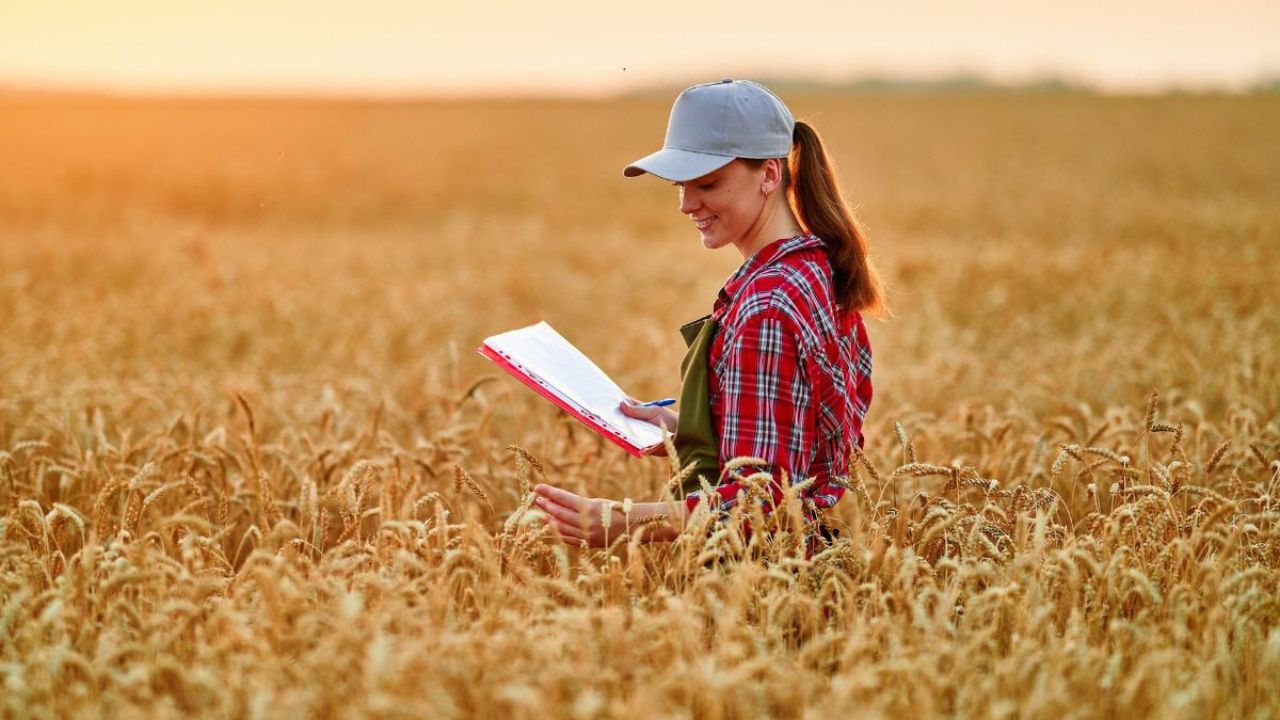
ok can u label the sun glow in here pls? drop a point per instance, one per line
(569, 46)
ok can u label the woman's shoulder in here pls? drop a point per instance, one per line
(799, 283)
(782, 297)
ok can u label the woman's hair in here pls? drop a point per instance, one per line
(810, 180)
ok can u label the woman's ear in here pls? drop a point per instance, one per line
(772, 177)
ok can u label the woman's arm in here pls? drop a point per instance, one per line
(577, 519)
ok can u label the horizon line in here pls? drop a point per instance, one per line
(869, 83)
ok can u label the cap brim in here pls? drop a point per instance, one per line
(677, 165)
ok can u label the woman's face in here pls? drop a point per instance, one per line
(725, 205)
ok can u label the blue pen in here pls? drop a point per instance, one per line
(659, 403)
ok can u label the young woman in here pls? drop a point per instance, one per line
(781, 368)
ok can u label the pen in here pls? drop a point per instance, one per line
(659, 403)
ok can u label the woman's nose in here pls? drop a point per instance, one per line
(688, 201)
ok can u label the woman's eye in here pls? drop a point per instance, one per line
(706, 186)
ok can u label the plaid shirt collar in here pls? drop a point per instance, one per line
(763, 258)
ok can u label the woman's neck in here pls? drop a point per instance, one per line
(776, 221)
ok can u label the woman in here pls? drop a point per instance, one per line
(781, 368)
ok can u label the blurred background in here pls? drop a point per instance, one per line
(251, 464)
(328, 206)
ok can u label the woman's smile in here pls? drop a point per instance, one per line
(724, 205)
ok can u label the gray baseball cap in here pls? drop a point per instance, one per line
(713, 123)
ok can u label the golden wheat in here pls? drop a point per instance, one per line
(237, 382)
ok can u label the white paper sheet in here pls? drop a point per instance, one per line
(547, 356)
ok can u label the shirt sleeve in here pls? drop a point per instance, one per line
(765, 401)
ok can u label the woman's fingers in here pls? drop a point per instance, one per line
(567, 532)
(630, 409)
(575, 517)
(562, 497)
(659, 416)
(636, 411)
(560, 512)
(564, 514)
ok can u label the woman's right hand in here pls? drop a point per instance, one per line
(660, 416)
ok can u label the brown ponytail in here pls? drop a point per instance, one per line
(822, 210)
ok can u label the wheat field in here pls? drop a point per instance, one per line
(251, 466)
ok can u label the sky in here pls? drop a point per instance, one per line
(492, 47)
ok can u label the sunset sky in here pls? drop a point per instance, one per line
(575, 47)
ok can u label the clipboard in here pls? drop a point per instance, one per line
(551, 366)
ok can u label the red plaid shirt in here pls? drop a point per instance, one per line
(790, 376)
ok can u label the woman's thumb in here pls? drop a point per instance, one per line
(633, 408)
(655, 414)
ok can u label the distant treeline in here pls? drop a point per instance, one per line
(877, 84)
(961, 82)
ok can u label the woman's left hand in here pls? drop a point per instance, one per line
(577, 519)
